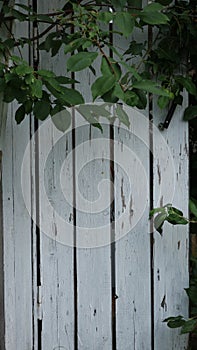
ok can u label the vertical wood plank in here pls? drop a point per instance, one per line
(56, 254)
(132, 247)
(17, 240)
(17, 232)
(172, 247)
(2, 314)
(93, 255)
(93, 259)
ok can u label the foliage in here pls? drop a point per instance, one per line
(84, 31)
(175, 217)
(188, 325)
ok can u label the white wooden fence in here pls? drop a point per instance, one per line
(65, 286)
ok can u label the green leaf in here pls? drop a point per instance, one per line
(28, 106)
(187, 83)
(55, 47)
(19, 15)
(41, 109)
(131, 98)
(190, 113)
(105, 16)
(131, 69)
(53, 83)
(119, 3)
(152, 87)
(152, 7)
(29, 79)
(175, 216)
(2, 84)
(193, 206)
(68, 97)
(45, 73)
(86, 112)
(110, 67)
(49, 42)
(135, 48)
(74, 44)
(192, 294)
(163, 101)
(142, 99)
(62, 120)
(36, 88)
(122, 116)
(72, 96)
(23, 69)
(176, 219)
(151, 14)
(20, 114)
(81, 60)
(125, 22)
(159, 221)
(44, 18)
(65, 80)
(109, 96)
(17, 60)
(24, 7)
(102, 85)
(175, 322)
(189, 326)
(118, 92)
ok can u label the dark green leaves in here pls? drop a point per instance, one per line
(62, 120)
(190, 113)
(81, 61)
(167, 213)
(102, 85)
(175, 322)
(119, 4)
(193, 206)
(187, 83)
(125, 22)
(187, 326)
(152, 87)
(122, 115)
(110, 67)
(20, 114)
(41, 109)
(151, 14)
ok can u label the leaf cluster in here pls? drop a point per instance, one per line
(188, 325)
(175, 217)
(83, 31)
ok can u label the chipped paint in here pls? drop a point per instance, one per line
(163, 303)
(122, 196)
(159, 173)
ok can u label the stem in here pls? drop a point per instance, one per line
(106, 57)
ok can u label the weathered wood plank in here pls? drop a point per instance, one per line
(170, 166)
(92, 232)
(2, 313)
(17, 232)
(132, 247)
(56, 251)
(17, 239)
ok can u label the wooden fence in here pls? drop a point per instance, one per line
(91, 275)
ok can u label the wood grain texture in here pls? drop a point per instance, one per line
(57, 274)
(171, 249)
(132, 247)
(17, 232)
(93, 262)
(2, 314)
